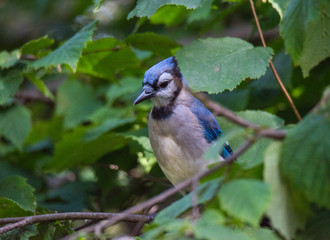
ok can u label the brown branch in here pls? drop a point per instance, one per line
(279, 81)
(219, 110)
(17, 222)
(164, 195)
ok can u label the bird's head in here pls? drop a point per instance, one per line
(162, 83)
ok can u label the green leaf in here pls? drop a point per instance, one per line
(72, 150)
(255, 154)
(283, 212)
(97, 4)
(206, 191)
(305, 29)
(217, 64)
(170, 15)
(17, 189)
(68, 53)
(201, 13)
(9, 59)
(155, 43)
(261, 234)
(146, 8)
(213, 231)
(39, 84)
(283, 65)
(245, 199)
(212, 215)
(76, 102)
(34, 46)
(279, 5)
(15, 124)
(9, 84)
(106, 126)
(306, 156)
(23, 233)
(125, 87)
(107, 57)
(10, 208)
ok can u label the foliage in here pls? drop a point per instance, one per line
(70, 139)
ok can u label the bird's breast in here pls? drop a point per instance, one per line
(179, 144)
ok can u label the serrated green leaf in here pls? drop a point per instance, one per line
(23, 233)
(10, 208)
(15, 124)
(9, 84)
(68, 53)
(72, 150)
(206, 191)
(76, 102)
(305, 29)
(283, 212)
(107, 57)
(217, 64)
(255, 154)
(306, 156)
(39, 84)
(9, 59)
(34, 46)
(155, 43)
(146, 8)
(17, 189)
(245, 199)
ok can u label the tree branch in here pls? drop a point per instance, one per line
(219, 110)
(164, 195)
(279, 81)
(18, 222)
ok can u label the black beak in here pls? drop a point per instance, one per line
(143, 96)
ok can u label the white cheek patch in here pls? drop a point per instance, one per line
(164, 77)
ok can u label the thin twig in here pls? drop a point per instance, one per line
(279, 81)
(18, 222)
(164, 195)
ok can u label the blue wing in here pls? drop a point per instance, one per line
(210, 125)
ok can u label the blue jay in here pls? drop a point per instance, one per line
(181, 129)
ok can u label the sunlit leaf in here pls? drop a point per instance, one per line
(146, 8)
(9, 59)
(283, 211)
(39, 84)
(155, 43)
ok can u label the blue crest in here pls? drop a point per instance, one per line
(153, 73)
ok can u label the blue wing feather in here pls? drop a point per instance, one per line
(210, 125)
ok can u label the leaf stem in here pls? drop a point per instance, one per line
(279, 81)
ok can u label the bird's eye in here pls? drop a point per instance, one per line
(164, 84)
